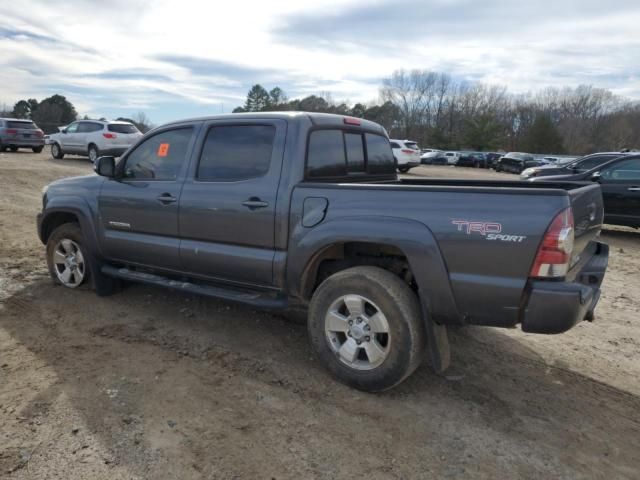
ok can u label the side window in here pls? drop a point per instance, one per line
(394, 145)
(379, 155)
(326, 157)
(95, 127)
(86, 127)
(627, 170)
(592, 163)
(355, 152)
(73, 128)
(159, 157)
(238, 152)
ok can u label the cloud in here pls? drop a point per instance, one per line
(175, 59)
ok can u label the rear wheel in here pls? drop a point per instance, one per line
(94, 153)
(403, 169)
(37, 149)
(56, 151)
(366, 325)
(13, 148)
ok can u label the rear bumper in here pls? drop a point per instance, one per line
(555, 307)
(23, 142)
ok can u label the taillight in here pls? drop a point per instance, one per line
(351, 121)
(109, 135)
(11, 131)
(554, 253)
(408, 151)
(39, 133)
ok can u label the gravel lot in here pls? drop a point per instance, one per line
(155, 384)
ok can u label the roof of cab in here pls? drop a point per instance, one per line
(320, 119)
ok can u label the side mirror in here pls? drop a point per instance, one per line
(595, 177)
(64, 130)
(105, 166)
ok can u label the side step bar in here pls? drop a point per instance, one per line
(257, 299)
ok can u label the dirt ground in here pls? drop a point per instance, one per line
(154, 384)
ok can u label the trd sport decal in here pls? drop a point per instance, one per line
(489, 230)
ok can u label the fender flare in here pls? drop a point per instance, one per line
(411, 237)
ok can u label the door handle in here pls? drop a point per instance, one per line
(166, 198)
(634, 189)
(254, 203)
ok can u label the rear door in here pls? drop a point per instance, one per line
(227, 207)
(139, 210)
(620, 185)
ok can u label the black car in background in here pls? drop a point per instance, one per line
(516, 162)
(492, 158)
(619, 181)
(578, 165)
(472, 159)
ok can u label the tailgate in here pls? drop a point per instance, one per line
(588, 214)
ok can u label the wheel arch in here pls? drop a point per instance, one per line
(56, 215)
(400, 240)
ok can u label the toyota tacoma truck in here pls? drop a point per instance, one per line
(282, 209)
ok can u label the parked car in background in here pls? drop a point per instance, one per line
(492, 158)
(619, 181)
(568, 167)
(406, 153)
(471, 159)
(94, 138)
(452, 157)
(432, 157)
(516, 162)
(18, 133)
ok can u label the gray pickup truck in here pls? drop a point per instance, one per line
(281, 209)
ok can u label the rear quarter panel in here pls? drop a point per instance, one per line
(486, 277)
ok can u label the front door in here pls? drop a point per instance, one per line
(69, 138)
(228, 203)
(139, 209)
(620, 185)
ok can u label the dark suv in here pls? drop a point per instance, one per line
(516, 162)
(579, 165)
(17, 133)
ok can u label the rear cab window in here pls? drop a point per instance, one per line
(342, 154)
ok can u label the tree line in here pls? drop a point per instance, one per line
(439, 111)
(56, 111)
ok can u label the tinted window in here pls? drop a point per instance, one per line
(24, 125)
(592, 162)
(355, 152)
(394, 145)
(326, 154)
(122, 128)
(86, 127)
(159, 157)
(379, 155)
(626, 170)
(412, 145)
(237, 152)
(72, 128)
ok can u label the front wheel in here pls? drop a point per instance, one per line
(365, 324)
(13, 148)
(67, 257)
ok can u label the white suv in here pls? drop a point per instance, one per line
(406, 153)
(93, 138)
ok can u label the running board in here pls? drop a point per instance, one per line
(256, 299)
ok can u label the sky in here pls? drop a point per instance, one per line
(176, 59)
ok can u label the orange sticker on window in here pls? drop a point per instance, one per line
(163, 150)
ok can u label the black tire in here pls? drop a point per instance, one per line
(476, 164)
(403, 169)
(93, 152)
(37, 149)
(406, 342)
(2, 148)
(72, 232)
(56, 151)
(13, 148)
